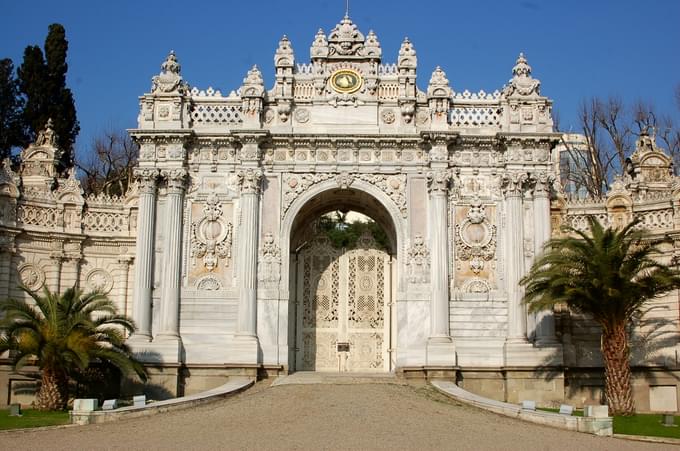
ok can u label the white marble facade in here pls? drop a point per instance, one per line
(227, 186)
(460, 180)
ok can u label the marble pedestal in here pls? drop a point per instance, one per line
(525, 354)
(163, 349)
(244, 349)
(441, 353)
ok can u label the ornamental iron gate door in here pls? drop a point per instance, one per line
(342, 297)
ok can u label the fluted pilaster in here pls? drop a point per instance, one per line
(250, 182)
(438, 185)
(172, 245)
(545, 320)
(513, 185)
(141, 311)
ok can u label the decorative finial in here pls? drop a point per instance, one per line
(47, 136)
(347, 8)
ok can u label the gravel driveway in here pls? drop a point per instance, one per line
(360, 416)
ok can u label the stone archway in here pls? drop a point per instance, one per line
(342, 310)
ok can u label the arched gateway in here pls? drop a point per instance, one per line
(228, 275)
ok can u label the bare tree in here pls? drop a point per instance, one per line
(108, 167)
(610, 130)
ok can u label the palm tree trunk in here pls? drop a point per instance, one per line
(616, 354)
(53, 392)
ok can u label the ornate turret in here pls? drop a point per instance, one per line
(284, 61)
(252, 94)
(526, 110)
(372, 46)
(319, 48)
(407, 64)
(439, 98)
(40, 159)
(649, 168)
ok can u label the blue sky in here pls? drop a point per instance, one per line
(577, 49)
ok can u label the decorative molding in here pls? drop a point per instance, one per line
(211, 235)
(418, 261)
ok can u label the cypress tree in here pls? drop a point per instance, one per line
(11, 103)
(42, 80)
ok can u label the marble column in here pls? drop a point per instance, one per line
(146, 216)
(172, 252)
(438, 187)
(250, 181)
(440, 348)
(7, 250)
(122, 283)
(545, 320)
(513, 185)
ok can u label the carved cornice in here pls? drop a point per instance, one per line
(528, 140)
(143, 136)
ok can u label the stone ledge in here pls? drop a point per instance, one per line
(235, 385)
(597, 426)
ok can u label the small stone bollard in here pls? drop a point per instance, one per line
(139, 401)
(110, 404)
(85, 405)
(668, 420)
(15, 410)
(529, 405)
(566, 409)
(596, 411)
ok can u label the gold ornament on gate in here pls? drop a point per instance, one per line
(346, 81)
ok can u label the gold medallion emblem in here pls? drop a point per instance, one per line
(346, 81)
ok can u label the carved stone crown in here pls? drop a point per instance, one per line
(407, 55)
(522, 83)
(345, 39)
(253, 84)
(169, 81)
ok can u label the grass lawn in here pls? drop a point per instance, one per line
(646, 424)
(32, 419)
(640, 424)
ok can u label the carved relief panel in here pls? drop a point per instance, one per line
(475, 241)
(210, 244)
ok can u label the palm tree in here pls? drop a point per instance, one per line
(64, 334)
(609, 275)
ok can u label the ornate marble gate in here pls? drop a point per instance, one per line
(343, 307)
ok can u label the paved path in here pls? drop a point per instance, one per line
(322, 416)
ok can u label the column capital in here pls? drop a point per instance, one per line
(250, 180)
(438, 181)
(542, 182)
(513, 184)
(175, 178)
(147, 179)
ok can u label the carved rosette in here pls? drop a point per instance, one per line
(438, 182)
(418, 261)
(269, 266)
(99, 280)
(476, 238)
(211, 235)
(32, 277)
(250, 181)
(146, 179)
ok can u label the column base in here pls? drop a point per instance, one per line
(244, 349)
(520, 353)
(166, 349)
(441, 352)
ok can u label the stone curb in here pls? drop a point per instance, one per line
(235, 385)
(596, 426)
(649, 438)
(38, 429)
